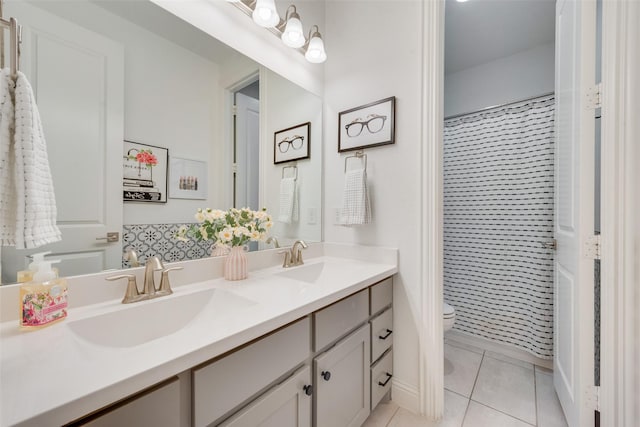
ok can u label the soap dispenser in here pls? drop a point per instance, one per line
(27, 275)
(43, 301)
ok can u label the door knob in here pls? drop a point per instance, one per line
(326, 375)
(551, 244)
(111, 237)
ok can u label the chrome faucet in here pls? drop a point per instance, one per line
(274, 240)
(153, 264)
(293, 256)
(131, 256)
(132, 294)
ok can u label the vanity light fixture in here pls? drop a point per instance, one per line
(265, 14)
(289, 30)
(293, 35)
(315, 48)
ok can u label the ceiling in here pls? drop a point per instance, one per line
(480, 31)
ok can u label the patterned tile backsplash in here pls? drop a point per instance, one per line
(157, 239)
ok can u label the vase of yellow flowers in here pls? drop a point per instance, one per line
(230, 230)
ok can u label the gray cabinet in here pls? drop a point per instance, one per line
(225, 384)
(159, 407)
(342, 382)
(285, 405)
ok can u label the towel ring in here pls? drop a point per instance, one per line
(357, 155)
(295, 169)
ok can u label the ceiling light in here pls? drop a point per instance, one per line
(315, 49)
(265, 14)
(293, 35)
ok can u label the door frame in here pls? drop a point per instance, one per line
(229, 102)
(619, 300)
(620, 297)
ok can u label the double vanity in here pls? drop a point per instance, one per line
(303, 346)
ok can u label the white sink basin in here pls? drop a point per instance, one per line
(309, 273)
(138, 323)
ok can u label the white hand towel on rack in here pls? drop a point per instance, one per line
(288, 201)
(356, 207)
(35, 200)
(7, 163)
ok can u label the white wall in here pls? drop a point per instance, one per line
(285, 105)
(375, 52)
(170, 100)
(526, 74)
(232, 27)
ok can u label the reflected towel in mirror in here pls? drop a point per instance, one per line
(288, 201)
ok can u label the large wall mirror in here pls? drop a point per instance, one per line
(105, 72)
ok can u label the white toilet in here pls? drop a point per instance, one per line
(449, 316)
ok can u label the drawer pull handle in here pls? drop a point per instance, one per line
(308, 390)
(382, 384)
(326, 375)
(385, 336)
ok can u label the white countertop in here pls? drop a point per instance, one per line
(55, 375)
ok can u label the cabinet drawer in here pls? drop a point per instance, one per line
(340, 318)
(381, 374)
(381, 334)
(226, 383)
(285, 405)
(158, 407)
(381, 295)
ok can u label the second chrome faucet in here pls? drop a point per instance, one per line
(293, 256)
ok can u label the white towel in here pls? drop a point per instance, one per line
(288, 201)
(356, 208)
(35, 217)
(7, 161)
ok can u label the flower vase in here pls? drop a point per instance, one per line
(235, 266)
(219, 250)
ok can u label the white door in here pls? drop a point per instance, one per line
(78, 80)
(574, 201)
(247, 151)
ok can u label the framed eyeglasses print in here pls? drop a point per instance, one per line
(366, 126)
(292, 143)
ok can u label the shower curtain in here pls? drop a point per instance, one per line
(498, 213)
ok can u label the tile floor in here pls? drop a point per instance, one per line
(484, 389)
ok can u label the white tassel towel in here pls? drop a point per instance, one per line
(33, 196)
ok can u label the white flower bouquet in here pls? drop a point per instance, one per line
(235, 227)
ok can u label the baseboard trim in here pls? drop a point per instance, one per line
(405, 396)
(498, 348)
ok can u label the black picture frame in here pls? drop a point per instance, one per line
(141, 183)
(288, 137)
(368, 125)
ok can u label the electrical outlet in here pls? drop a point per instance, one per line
(336, 216)
(312, 216)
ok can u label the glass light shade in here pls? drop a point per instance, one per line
(293, 35)
(265, 14)
(315, 51)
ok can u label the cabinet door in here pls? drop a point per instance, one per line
(342, 382)
(285, 405)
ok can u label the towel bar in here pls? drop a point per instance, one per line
(357, 155)
(295, 169)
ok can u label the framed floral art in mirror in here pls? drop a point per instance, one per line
(367, 126)
(144, 173)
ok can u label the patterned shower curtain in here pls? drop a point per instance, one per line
(498, 213)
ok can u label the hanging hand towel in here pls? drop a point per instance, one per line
(35, 199)
(356, 208)
(288, 201)
(7, 163)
